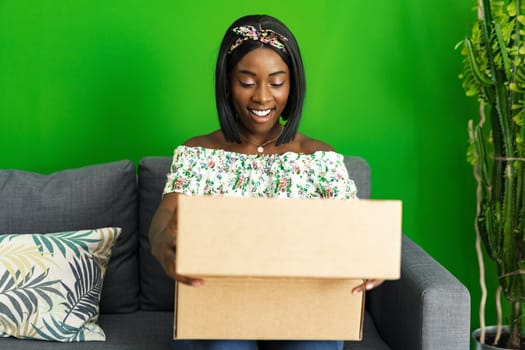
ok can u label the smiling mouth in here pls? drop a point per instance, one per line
(261, 112)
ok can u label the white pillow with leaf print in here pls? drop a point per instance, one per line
(50, 284)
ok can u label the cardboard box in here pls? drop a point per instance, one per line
(269, 308)
(281, 268)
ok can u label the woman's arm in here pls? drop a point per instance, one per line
(163, 235)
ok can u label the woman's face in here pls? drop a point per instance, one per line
(260, 85)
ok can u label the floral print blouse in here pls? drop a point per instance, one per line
(205, 171)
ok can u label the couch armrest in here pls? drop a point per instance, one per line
(428, 308)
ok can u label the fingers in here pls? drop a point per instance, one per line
(168, 261)
(163, 242)
(367, 285)
(169, 268)
(194, 282)
(172, 223)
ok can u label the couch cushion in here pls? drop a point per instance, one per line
(156, 288)
(154, 331)
(102, 195)
(141, 330)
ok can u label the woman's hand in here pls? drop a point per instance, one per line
(367, 285)
(163, 236)
(164, 250)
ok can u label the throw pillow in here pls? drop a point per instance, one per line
(50, 284)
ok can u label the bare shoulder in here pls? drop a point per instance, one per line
(309, 145)
(211, 140)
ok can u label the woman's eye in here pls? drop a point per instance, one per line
(246, 84)
(279, 84)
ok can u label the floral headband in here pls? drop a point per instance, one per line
(265, 36)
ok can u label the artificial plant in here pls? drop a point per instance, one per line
(494, 72)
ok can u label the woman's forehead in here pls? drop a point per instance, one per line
(262, 61)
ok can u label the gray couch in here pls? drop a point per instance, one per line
(428, 308)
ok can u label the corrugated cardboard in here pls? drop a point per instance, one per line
(268, 237)
(270, 264)
(248, 308)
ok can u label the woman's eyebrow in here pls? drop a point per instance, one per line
(244, 71)
(247, 72)
(278, 72)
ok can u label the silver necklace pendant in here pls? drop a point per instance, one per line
(260, 148)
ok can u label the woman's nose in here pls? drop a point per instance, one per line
(262, 94)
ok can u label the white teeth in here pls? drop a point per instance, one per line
(262, 113)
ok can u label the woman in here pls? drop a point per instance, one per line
(260, 87)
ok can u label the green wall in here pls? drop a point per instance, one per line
(83, 82)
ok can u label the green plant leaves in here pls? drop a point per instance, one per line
(494, 72)
(474, 67)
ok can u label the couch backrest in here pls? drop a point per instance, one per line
(90, 197)
(157, 289)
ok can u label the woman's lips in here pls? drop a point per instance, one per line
(260, 115)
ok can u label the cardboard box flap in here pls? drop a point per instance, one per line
(247, 308)
(270, 237)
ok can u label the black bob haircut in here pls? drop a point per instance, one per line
(227, 61)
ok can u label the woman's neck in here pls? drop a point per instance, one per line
(263, 139)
